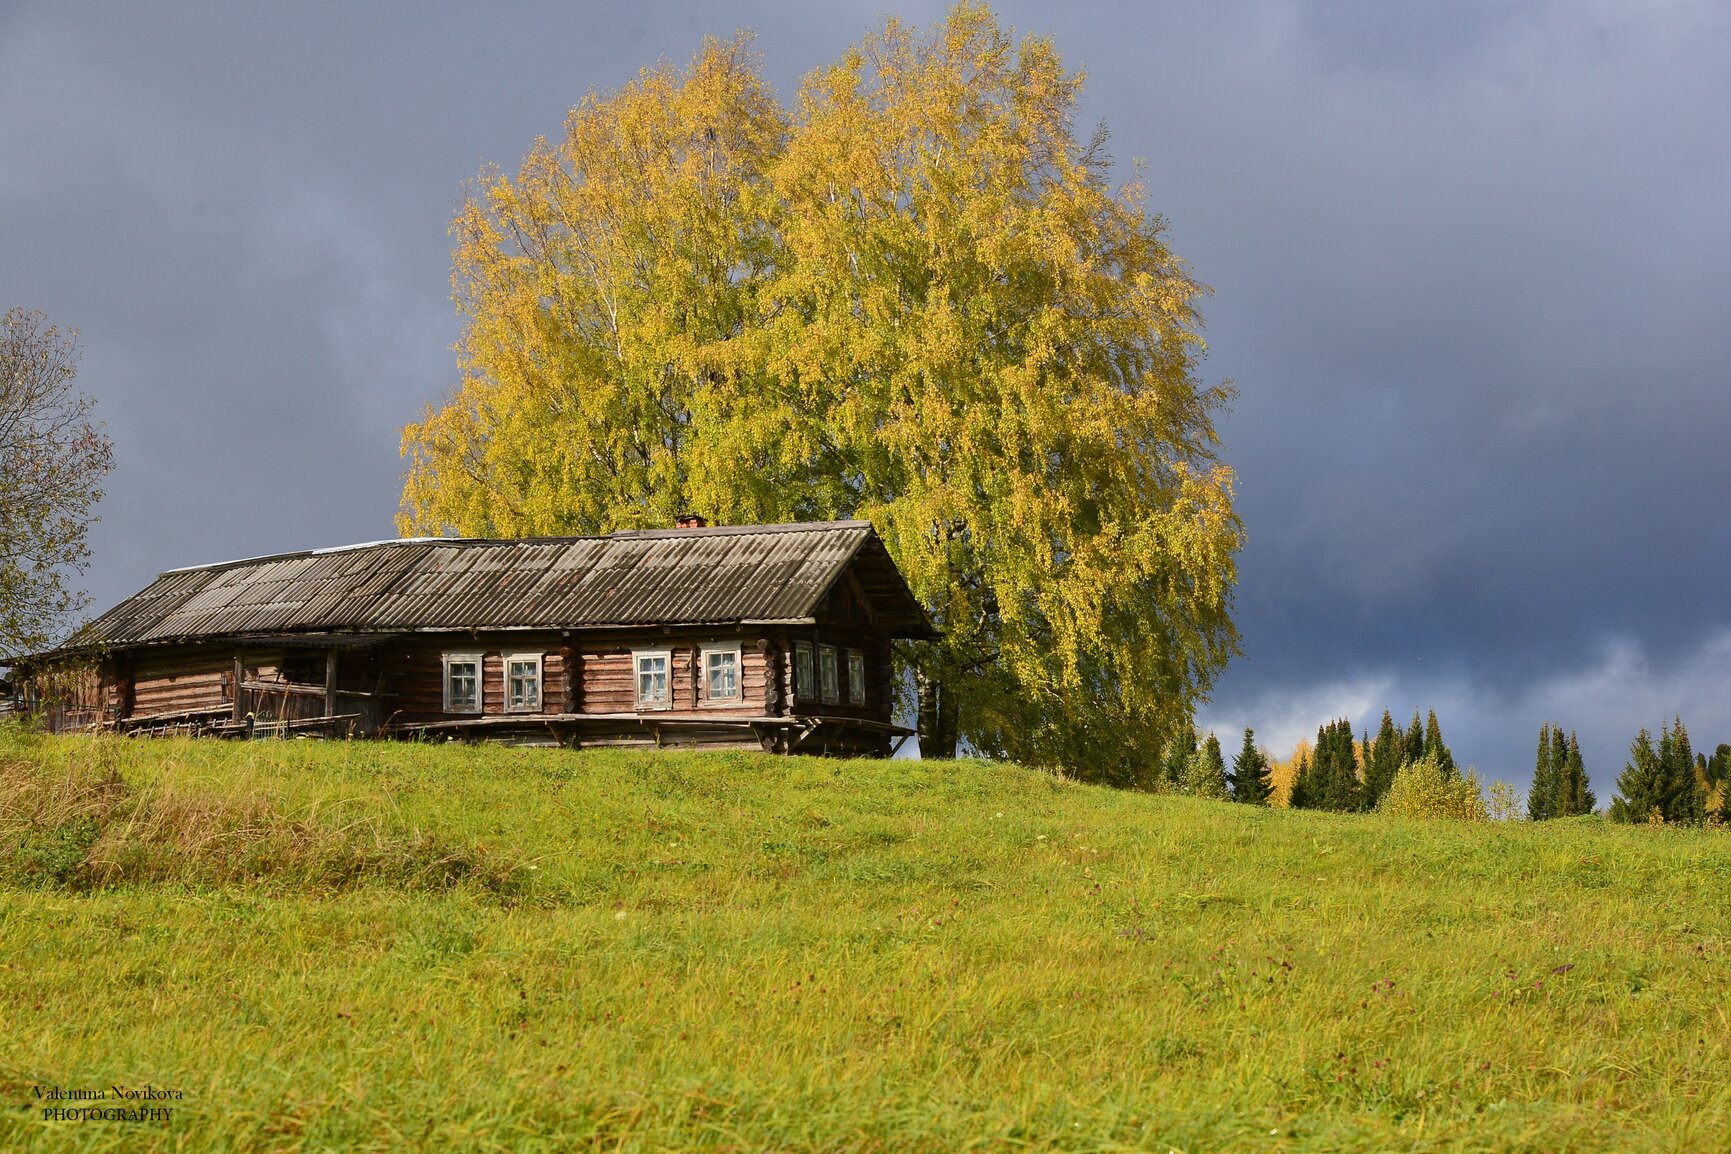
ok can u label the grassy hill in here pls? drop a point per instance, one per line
(371, 947)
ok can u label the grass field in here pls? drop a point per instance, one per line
(379, 947)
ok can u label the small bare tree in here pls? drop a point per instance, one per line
(52, 461)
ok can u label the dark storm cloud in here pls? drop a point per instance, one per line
(1472, 268)
(1469, 279)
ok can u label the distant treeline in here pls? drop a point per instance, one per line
(1670, 783)
(1413, 770)
(1338, 773)
(1349, 777)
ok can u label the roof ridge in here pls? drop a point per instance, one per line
(480, 542)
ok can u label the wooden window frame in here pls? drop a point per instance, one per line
(738, 694)
(651, 705)
(479, 661)
(804, 672)
(539, 660)
(828, 687)
(856, 690)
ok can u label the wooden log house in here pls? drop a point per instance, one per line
(768, 636)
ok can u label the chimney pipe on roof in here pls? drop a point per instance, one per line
(690, 521)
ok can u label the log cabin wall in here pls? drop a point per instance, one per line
(847, 621)
(492, 684)
(609, 674)
(180, 680)
(833, 736)
(879, 673)
(392, 684)
(73, 698)
(275, 683)
(555, 679)
(118, 675)
(608, 681)
(603, 682)
(275, 686)
(414, 682)
(412, 674)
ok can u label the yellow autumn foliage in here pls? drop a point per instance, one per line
(912, 297)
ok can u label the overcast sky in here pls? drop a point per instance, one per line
(1471, 262)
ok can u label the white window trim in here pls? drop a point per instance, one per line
(540, 681)
(480, 662)
(738, 674)
(856, 694)
(831, 693)
(808, 691)
(636, 680)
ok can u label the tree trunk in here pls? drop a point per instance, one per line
(937, 720)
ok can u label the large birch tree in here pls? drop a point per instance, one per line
(53, 457)
(915, 297)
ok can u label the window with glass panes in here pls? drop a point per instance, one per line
(721, 674)
(855, 677)
(802, 675)
(652, 670)
(828, 682)
(523, 682)
(462, 682)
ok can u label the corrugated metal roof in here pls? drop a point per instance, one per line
(689, 576)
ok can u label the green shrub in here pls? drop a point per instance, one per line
(1205, 773)
(1506, 802)
(49, 856)
(1425, 789)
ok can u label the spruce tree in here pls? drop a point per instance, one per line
(1351, 781)
(1668, 789)
(1542, 797)
(1435, 747)
(1640, 787)
(1307, 792)
(1207, 771)
(1214, 769)
(1382, 761)
(1576, 796)
(1414, 751)
(1310, 787)
(1251, 783)
(1560, 772)
(1323, 760)
(1337, 767)
(1681, 792)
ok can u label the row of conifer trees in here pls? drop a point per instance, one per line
(1198, 767)
(1664, 781)
(1560, 787)
(1670, 783)
(1330, 776)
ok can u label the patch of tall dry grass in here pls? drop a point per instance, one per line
(85, 827)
